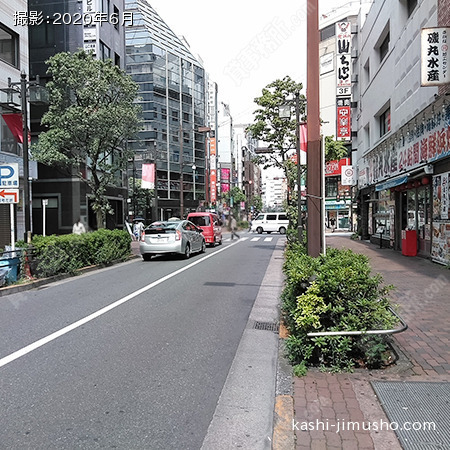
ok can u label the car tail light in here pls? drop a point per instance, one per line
(178, 236)
(143, 236)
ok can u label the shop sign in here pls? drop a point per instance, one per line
(348, 177)
(343, 55)
(440, 248)
(343, 119)
(426, 142)
(333, 168)
(435, 56)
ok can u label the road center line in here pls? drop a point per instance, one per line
(51, 337)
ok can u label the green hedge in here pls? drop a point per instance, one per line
(53, 255)
(335, 292)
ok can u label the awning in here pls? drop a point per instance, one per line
(391, 183)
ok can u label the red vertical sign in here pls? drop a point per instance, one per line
(213, 173)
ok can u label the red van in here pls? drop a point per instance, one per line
(210, 224)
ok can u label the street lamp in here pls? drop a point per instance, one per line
(37, 95)
(285, 113)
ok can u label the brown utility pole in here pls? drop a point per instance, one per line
(314, 163)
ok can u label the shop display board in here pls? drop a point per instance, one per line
(440, 248)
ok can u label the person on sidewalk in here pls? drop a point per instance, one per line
(78, 227)
(232, 226)
(333, 224)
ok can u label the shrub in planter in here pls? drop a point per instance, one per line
(335, 292)
(68, 253)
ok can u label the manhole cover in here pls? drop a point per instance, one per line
(419, 412)
(267, 326)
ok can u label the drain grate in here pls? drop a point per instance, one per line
(266, 326)
(420, 411)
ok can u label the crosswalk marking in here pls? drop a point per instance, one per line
(268, 239)
(255, 239)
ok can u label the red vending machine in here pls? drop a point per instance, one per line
(409, 242)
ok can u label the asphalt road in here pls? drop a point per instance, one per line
(134, 356)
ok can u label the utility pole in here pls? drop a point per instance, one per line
(314, 175)
(299, 167)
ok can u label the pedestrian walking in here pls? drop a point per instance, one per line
(232, 226)
(78, 227)
(137, 230)
(249, 218)
(333, 224)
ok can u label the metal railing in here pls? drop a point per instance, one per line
(362, 333)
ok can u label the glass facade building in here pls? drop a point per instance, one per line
(173, 100)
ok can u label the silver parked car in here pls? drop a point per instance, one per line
(172, 236)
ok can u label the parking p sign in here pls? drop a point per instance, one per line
(9, 176)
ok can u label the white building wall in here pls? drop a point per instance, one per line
(395, 81)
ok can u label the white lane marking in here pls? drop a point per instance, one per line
(255, 239)
(51, 337)
(268, 239)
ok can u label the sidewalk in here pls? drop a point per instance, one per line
(328, 400)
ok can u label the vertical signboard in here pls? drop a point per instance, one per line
(213, 171)
(343, 59)
(440, 248)
(343, 119)
(434, 56)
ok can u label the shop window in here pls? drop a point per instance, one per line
(411, 214)
(331, 187)
(384, 212)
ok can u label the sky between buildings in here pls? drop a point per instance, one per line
(244, 44)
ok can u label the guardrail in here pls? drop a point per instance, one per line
(361, 333)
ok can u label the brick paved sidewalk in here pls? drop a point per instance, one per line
(326, 403)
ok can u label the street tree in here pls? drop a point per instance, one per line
(277, 133)
(91, 116)
(334, 150)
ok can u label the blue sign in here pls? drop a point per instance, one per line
(9, 175)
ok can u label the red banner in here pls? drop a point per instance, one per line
(148, 176)
(14, 122)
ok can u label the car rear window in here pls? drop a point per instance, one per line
(200, 221)
(161, 228)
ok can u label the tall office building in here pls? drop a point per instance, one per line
(174, 104)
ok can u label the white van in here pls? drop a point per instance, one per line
(270, 222)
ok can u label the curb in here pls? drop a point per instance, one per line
(283, 435)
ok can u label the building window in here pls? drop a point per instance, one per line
(331, 187)
(328, 32)
(411, 6)
(116, 59)
(9, 46)
(385, 122)
(384, 47)
(105, 51)
(116, 15)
